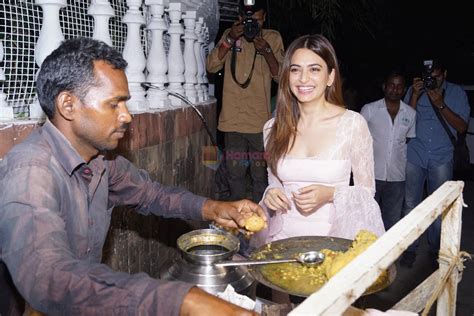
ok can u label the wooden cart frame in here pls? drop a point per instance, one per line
(337, 295)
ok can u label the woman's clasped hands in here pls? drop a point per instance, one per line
(306, 199)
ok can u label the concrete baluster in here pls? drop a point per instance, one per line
(133, 53)
(157, 62)
(190, 61)
(101, 11)
(175, 54)
(201, 68)
(50, 37)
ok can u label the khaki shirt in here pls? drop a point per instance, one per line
(246, 110)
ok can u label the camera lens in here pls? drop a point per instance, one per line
(429, 83)
(251, 28)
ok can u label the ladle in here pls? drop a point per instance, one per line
(309, 258)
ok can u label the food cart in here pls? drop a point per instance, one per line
(337, 295)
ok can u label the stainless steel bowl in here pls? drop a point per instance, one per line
(206, 246)
(199, 250)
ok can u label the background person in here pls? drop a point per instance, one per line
(246, 98)
(430, 154)
(58, 190)
(391, 123)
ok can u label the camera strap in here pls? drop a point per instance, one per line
(443, 122)
(233, 59)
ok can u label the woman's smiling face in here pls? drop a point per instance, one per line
(309, 76)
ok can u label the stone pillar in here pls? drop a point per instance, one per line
(190, 62)
(101, 11)
(175, 55)
(157, 63)
(133, 53)
(50, 37)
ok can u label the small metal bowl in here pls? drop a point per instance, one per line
(206, 246)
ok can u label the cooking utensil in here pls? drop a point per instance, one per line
(309, 258)
(206, 246)
(199, 250)
(290, 247)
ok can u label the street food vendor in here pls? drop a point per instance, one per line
(58, 189)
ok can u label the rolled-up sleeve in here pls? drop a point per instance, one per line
(34, 245)
(214, 64)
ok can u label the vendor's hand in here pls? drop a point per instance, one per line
(312, 197)
(231, 214)
(436, 97)
(276, 200)
(198, 302)
(260, 44)
(236, 30)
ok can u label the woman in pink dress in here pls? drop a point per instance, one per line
(312, 146)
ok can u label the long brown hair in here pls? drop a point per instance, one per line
(282, 135)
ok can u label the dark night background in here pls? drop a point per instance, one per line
(372, 37)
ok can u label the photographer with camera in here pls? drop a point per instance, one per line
(441, 107)
(252, 57)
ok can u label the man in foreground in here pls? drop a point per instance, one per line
(57, 192)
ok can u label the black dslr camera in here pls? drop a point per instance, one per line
(251, 27)
(429, 82)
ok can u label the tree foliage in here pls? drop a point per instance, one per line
(298, 17)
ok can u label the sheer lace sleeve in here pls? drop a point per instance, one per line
(355, 205)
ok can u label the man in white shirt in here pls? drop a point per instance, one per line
(391, 123)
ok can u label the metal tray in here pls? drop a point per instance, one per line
(291, 246)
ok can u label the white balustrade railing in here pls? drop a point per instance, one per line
(135, 56)
(101, 11)
(174, 59)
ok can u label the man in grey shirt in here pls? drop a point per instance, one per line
(58, 189)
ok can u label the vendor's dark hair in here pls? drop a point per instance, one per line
(70, 67)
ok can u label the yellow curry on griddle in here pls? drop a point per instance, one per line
(304, 280)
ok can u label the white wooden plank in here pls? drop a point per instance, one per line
(415, 301)
(449, 248)
(350, 283)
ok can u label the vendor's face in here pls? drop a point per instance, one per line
(309, 76)
(103, 117)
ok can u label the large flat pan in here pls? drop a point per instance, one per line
(291, 246)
